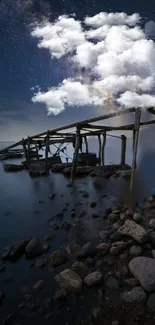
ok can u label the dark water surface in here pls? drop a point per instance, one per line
(18, 220)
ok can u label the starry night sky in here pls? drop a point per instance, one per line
(23, 65)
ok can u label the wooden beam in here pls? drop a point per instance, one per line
(136, 128)
(123, 149)
(28, 152)
(75, 158)
(99, 149)
(103, 148)
(91, 120)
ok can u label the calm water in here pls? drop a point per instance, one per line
(18, 202)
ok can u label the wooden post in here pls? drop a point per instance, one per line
(103, 148)
(46, 150)
(123, 149)
(133, 144)
(25, 151)
(28, 152)
(100, 148)
(75, 158)
(86, 144)
(136, 128)
(37, 152)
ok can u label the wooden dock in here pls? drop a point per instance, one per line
(77, 134)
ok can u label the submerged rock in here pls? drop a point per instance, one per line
(81, 269)
(73, 249)
(130, 228)
(12, 168)
(34, 248)
(61, 294)
(18, 249)
(5, 253)
(87, 250)
(9, 319)
(57, 258)
(70, 280)
(39, 285)
(143, 269)
(103, 247)
(41, 262)
(93, 278)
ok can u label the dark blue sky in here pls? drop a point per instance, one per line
(23, 65)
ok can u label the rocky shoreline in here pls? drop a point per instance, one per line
(121, 263)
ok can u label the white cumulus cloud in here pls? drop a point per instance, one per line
(113, 57)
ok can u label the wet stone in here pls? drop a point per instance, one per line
(135, 250)
(39, 285)
(46, 247)
(113, 217)
(61, 294)
(87, 250)
(135, 296)
(93, 205)
(57, 258)
(132, 282)
(9, 319)
(137, 217)
(114, 250)
(73, 249)
(81, 269)
(151, 302)
(5, 253)
(112, 284)
(41, 262)
(104, 234)
(93, 278)
(152, 223)
(49, 238)
(70, 280)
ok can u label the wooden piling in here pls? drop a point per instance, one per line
(86, 145)
(123, 149)
(25, 150)
(99, 149)
(75, 158)
(46, 150)
(103, 149)
(133, 144)
(136, 129)
(28, 152)
(37, 152)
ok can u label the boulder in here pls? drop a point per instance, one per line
(34, 248)
(130, 228)
(135, 296)
(93, 278)
(81, 269)
(70, 280)
(143, 269)
(18, 249)
(57, 258)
